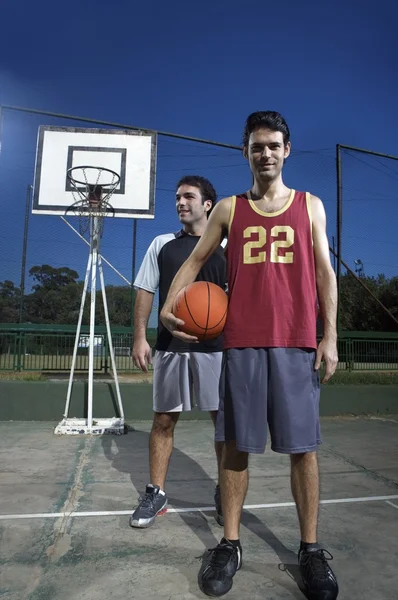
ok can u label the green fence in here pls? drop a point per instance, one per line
(50, 348)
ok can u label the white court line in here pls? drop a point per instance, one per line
(117, 513)
(392, 504)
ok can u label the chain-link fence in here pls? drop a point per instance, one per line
(42, 254)
(366, 240)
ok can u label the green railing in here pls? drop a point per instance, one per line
(50, 348)
(29, 347)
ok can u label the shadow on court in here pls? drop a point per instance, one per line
(188, 486)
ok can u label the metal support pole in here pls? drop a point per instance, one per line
(338, 230)
(24, 250)
(77, 338)
(334, 252)
(94, 235)
(109, 334)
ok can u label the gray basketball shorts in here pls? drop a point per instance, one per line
(278, 386)
(179, 378)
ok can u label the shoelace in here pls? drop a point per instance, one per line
(317, 562)
(148, 500)
(221, 555)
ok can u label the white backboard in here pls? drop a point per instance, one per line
(131, 154)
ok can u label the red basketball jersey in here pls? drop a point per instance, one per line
(271, 275)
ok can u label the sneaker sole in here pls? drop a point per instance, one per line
(216, 595)
(324, 596)
(137, 525)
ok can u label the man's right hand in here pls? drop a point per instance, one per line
(142, 355)
(173, 325)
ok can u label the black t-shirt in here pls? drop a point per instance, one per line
(162, 260)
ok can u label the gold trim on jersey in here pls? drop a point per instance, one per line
(309, 211)
(272, 214)
(232, 213)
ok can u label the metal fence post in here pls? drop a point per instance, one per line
(24, 250)
(338, 231)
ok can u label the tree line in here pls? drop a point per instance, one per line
(56, 295)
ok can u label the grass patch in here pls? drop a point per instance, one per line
(21, 376)
(339, 378)
(364, 378)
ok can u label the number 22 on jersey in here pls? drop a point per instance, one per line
(254, 249)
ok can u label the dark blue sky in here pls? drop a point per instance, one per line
(199, 69)
(329, 67)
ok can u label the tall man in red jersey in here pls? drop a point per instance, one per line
(278, 271)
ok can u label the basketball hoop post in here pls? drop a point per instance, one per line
(92, 173)
(93, 205)
(94, 252)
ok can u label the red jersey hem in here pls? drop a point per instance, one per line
(273, 343)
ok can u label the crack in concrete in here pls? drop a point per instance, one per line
(369, 472)
(62, 542)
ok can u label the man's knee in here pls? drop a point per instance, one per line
(233, 459)
(164, 423)
(304, 459)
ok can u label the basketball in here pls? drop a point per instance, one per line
(203, 308)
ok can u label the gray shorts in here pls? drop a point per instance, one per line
(179, 377)
(278, 386)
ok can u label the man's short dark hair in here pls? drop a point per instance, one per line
(265, 119)
(207, 190)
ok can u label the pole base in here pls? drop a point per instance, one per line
(113, 425)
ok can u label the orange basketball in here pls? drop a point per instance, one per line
(203, 308)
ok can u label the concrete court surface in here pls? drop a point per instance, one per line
(47, 553)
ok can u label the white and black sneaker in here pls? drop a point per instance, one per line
(153, 504)
(226, 559)
(319, 580)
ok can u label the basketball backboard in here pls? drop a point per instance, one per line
(131, 154)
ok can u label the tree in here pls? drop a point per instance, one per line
(360, 311)
(9, 302)
(55, 297)
(49, 278)
(119, 305)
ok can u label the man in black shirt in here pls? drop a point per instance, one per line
(178, 366)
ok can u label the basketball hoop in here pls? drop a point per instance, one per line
(91, 188)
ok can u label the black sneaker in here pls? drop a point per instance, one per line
(319, 580)
(153, 503)
(226, 559)
(217, 502)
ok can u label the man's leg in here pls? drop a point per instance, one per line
(293, 416)
(206, 373)
(161, 446)
(241, 425)
(305, 490)
(234, 482)
(170, 396)
(218, 446)
(318, 577)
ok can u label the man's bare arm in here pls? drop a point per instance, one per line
(142, 354)
(326, 288)
(207, 245)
